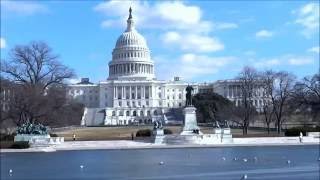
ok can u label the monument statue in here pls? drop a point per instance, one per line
(216, 125)
(189, 90)
(226, 124)
(157, 124)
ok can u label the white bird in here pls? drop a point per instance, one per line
(244, 177)
(235, 159)
(81, 166)
(245, 160)
(161, 163)
(10, 171)
(288, 162)
(223, 158)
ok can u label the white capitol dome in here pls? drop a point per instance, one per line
(131, 56)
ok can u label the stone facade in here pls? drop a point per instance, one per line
(131, 94)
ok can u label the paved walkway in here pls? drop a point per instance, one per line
(126, 144)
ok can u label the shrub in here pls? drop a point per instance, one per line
(7, 137)
(143, 133)
(54, 135)
(167, 131)
(296, 131)
(20, 145)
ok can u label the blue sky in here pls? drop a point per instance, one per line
(200, 41)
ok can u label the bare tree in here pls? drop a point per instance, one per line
(35, 70)
(282, 88)
(306, 96)
(248, 79)
(35, 65)
(268, 79)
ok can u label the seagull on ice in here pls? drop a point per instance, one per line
(244, 177)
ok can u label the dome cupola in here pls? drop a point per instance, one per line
(131, 55)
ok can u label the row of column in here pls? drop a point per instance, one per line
(235, 91)
(131, 54)
(131, 68)
(132, 92)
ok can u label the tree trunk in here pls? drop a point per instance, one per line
(268, 126)
(278, 126)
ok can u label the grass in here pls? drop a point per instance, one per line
(124, 132)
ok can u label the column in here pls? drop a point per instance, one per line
(150, 94)
(136, 92)
(232, 91)
(123, 95)
(142, 92)
(130, 97)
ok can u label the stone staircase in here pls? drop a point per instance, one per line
(93, 117)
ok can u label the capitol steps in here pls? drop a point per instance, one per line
(93, 116)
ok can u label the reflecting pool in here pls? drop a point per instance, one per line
(277, 162)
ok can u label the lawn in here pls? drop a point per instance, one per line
(124, 132)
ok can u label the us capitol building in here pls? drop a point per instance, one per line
(132, 94)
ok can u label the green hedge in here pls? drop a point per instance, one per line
(7, 137)
(167, 131)
(296, 131)
(54, 135)
(144, 133)
(20, 145)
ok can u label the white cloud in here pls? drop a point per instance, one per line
(191, 65)
(315, 49)
(267, 63)
(308, 18)
(264, 34)
(184, 26)
(181, 16)
(285, 60)
(2, 43)
(73, 80)
(225, 25)
(22, 7)
(296, 61)
(193, 42)
(250, 53)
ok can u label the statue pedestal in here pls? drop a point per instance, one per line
(190, 126)
(158, 136)
(39, 140)
(217, 131)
